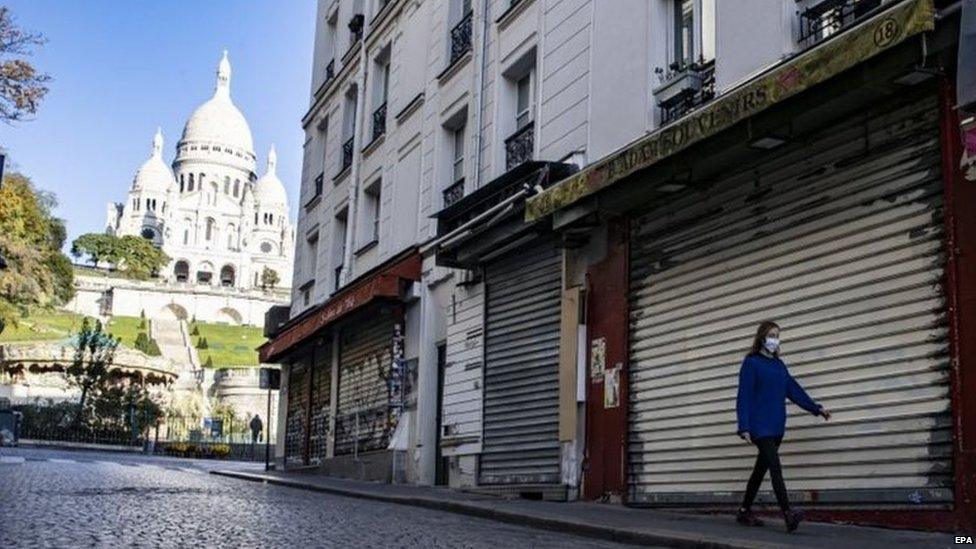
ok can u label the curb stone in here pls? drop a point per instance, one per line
(668, 538)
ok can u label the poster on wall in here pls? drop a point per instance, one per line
(611, 387)
(598, 358)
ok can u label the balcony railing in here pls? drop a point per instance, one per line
(461, 38)
(330, 70)
(379, 121)
(684, 88)
(518, 147)
(821, 19)
(454, 193)
(347, 149)
(317, 190)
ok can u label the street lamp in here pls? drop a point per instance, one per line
(3, 262)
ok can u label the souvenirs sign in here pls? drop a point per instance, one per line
(864, 41)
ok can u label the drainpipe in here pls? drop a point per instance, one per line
(479, 90)
(357, 156)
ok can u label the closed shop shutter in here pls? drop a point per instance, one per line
(521, 416)
(318, 438)
(839, 240)
(365, 359)
(297, 395)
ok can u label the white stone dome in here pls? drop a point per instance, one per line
(218, 121)
(268, 190)
(154, 175)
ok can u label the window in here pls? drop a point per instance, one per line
(458, 164)
(135, 204)
(210, 229)
(237, 187)
(226, 185)
(266, 247)
(148, 234)
(313, 254)
(307, 293)
(339, 246)
(371, 212)
(523, 107)
(231, 235)
(186, 236)
(694, 31)
(190, 188)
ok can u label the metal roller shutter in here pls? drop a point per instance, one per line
(365, 358)
(521, 416)
(839, 239)
(318, 438)
(297, 394)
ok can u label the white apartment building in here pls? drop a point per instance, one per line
(426, 106)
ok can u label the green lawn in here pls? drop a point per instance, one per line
(228, 345)
(81, 270)
(43, 326)
(58, 325)
(127, 328)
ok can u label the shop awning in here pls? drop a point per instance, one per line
(386, 281)
(879, 33)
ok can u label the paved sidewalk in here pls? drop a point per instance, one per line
(610, 522)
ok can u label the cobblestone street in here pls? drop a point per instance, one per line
(82, 499)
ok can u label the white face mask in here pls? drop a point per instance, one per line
(771, 344)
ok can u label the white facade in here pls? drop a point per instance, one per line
(219, 223)
(404, 115)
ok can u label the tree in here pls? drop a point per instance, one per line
(99, 247)
(37, 273)
(269, 278)
(94, 355)
(140, 258)
(21, 85)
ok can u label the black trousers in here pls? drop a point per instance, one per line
(768, 459)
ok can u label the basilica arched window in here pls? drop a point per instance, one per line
(237, 187)
(226, 185)
(255, 218)
(214, 191)
(210, 228)
(186, 236)
(148, 234)
(190, 187)
(231, 233)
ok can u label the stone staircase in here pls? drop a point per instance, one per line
(175, 344)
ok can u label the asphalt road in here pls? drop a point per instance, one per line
(52, 498)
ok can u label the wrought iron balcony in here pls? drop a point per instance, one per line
(461, 38)
(317, 190)
(684, 88)
(454, 193)
(347, 149)
(518, 147)
(821, 19)
(330, 70)
(379, 121)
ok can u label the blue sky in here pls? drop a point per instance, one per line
(123, 67)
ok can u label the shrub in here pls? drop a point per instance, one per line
(220, 451)
(209, 362)
(153, 348)
(195, 331)
(142, 342)
(202, 343)
(142, 324)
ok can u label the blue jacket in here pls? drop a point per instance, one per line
(764, 386)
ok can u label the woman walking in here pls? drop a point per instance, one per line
(764, 386)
